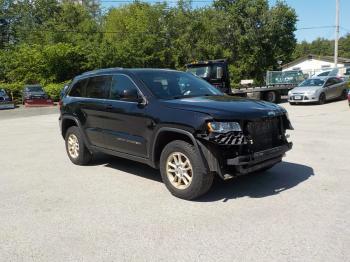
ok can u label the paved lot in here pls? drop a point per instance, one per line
(117, 210)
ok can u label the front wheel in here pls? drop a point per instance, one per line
(322, 99)
(183, 171)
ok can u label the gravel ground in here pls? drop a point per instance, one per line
(118, 210)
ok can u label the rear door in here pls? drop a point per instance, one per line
(338, 87)
(330, 88)
(125, 120)
(93, 107)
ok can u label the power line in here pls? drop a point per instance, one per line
(315, 27)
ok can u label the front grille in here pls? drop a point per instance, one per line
(264, 133)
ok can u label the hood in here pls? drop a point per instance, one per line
(227, 107)
(303, 89)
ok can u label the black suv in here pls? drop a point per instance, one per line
(173, 121)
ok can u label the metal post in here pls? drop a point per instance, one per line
(336, 34)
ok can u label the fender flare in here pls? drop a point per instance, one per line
(175, 130)
(79, 125)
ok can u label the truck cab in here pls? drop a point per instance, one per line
(213, 71)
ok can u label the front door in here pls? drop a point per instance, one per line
(126, 122)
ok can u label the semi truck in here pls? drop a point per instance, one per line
(216, 72)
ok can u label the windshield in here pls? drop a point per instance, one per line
(2, 92)
(200, 71)
(34, 89)
(174, 84)
(312, 82)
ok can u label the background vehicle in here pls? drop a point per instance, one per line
(322, 74)
(173, 121)
(5, 100)
(34, 95)
(216, 72)
(318, 90)
(213, 71)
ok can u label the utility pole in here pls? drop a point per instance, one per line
(336, 33)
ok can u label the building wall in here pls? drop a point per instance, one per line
(312, 66)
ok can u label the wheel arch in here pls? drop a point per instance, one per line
(166, 135)
(67, 122)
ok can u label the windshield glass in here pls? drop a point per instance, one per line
(173, 84)
(34, 89)
(312, 82)
(2, 92)
(200, 71)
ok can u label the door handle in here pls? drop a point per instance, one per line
(109, 107)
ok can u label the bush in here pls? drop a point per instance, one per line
(54, 90)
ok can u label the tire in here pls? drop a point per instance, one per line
(272, 97)
(82, 155)
(322, 99)
(201, 179)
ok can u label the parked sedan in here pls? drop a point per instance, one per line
(318, 90)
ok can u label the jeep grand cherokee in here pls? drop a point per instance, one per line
(173, 121)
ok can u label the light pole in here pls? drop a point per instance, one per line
(336, 33)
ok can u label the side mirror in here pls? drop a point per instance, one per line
(131, 95)
(219, 72)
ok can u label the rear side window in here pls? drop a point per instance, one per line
(98, 87)
(330, 82)
(324, 74)
(78, 89)
(119, 84)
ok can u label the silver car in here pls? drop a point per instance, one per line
(318, 90)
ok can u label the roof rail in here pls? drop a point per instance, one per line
(101, 70)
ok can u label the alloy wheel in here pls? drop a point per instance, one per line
(179, 170)
(73, 146)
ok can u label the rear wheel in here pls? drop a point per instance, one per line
(76, 149)
(183, 171)
(272, 96)
(322, 99)
(344, 95)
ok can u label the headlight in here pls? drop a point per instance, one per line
(310, 92)
(224, 127)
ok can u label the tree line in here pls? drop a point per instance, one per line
(323, 47)
(51, 41)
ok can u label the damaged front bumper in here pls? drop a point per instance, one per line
(256, 161)
(237, 164)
